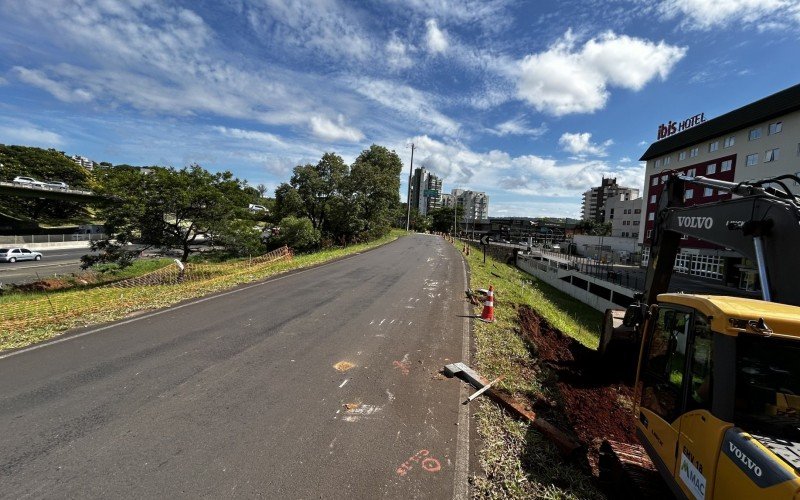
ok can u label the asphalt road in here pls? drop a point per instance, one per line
(238, 395)
(56, 261)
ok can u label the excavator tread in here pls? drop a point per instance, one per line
(627, 472)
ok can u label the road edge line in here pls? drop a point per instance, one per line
(461, 475)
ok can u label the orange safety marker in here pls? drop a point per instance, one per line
(487, 316)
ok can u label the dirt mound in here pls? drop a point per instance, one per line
(596, 399)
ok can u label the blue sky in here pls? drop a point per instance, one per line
(532, 102)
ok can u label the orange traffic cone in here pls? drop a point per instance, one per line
(487, 315)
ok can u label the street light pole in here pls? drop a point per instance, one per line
(408, 198)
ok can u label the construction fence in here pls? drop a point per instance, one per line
(156, 289)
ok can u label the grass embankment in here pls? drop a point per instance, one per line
(517, 461)
(28, 318)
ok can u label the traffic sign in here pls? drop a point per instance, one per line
(485, 240)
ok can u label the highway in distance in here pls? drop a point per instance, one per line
(324, 383)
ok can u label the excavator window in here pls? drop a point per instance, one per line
(700, 383)
(768, 387)
(665, 363)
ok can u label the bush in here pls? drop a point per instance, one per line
(298, 233)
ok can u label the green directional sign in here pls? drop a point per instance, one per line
(431, 193)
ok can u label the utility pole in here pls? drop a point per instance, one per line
(408, 198)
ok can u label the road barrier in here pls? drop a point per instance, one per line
(156, 289)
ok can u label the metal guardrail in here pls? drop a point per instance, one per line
(28, 239)
(45, 188)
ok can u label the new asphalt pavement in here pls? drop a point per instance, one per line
(323, 383)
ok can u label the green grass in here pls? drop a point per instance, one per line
(517, 461)
(26, 319)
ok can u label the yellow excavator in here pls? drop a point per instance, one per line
(717, 384)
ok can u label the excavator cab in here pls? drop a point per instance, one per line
(718, 393)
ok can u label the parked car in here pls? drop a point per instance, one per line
(257, 208)
(29, 181)
(14, 254)
(56, 185)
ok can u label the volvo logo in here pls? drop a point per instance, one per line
(745, 459)
(696, 222)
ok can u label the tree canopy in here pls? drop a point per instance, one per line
(165, 207)
(344, 203)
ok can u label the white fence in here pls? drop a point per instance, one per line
(590, 290)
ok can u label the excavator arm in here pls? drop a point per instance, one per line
(762, 224)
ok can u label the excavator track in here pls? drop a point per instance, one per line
(627, 472)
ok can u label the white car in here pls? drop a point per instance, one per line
(56, 185)
(15, 254)
(257, 208)
(28, 181)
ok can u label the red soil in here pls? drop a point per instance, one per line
(596, 400)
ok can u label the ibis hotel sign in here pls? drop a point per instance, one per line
(671, 127)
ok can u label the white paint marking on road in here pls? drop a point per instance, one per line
(382, 321)
(461, 472)
(390, 395)
(392, 322)
(372, 322)
(343, 383)
(382, 335)
(410, 307)
(334, 440)
(170, 309)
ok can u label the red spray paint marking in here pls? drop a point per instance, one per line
(403, 366)
(428, 463)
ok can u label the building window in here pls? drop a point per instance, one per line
(708, 192)
(772, 155)
(682, 156)
(637, 210)
(634, 235)
(711, 169)
(651, 216)
(664, 179)
(713, 146)
(752, 159)
(726, 165)
(688, 194)
(730, 141)
(654, 182)
(755, 134)
(667, 160)
(658, 163)
(652, 198)
(775, 128)
(694, 152)
(636, 223)
(649, 232)
(691, 172)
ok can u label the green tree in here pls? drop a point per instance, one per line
(442, 218)
(170, 208)
(298, 233)
(317, 184)
(374, 189)
(43, 165)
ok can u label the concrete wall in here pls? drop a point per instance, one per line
(594, 292)
(610, 243)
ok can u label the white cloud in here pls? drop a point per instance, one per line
(528, 175)
(435, 38)
(311, 26)
(397, 53)
(490, 14)
(625, 159)
(414, 105)
(250, 135)
(569, 79)
(30, 135)
(581, 144)
(59, 90)
(3, 81)
(518, 126)
(708, 14)
(328, 130)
